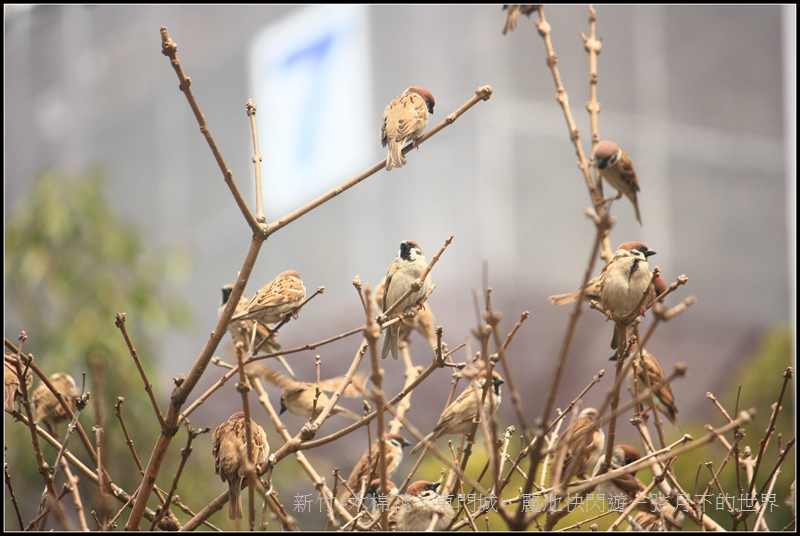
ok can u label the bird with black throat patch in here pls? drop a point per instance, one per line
(407, 267)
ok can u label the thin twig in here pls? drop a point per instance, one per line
(536, 454)
(243, 386)
(117, 492)
(185, 453)
(251, 113)
(13, 496)
(372, 332)
(134, 454)
(29, 362)
(170, 49)
(787, 375)
(120, 323)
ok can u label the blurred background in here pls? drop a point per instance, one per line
(100, 143)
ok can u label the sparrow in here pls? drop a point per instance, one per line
(298, 397)
(229, 448)
(620, 285)
(423, 323)
(46, 407)
(242, 331)
(459, 417)
(420, 502)
(12, 383)
(615, 166)
(512, 22)
(404, 120)
(406, 268)
(593, 291)
(368, 467)
(646, 374)
(583, 443)
(647, 522)
(275, 300)
(623, 282)
(622, 490)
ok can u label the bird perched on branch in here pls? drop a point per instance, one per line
(12, 382)
(46, 407)
(408, 266)
(229, 449)
(615, 166)
(424, 322)
(404, 120)
(278, 298)
(621, 284)
(593, 291)
(419, 504)
(460, 416)
(368, 466)
(646, 374)
(242, 331)
(582, 444)
(623, 490)
(647, 522)
(298, 397)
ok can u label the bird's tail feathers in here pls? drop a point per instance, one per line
(395, 158)
(562, 299)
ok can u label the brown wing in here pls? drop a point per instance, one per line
(413, 115)
(628, 173)
(46, 406)
(386, 112)
(355, 389)
(224, 449)
(651, 375)
(279, 292)
(580, 445)
(451, 419)
(366, 465)
(272, 376)
(630, 485)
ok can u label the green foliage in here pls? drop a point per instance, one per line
(756, 385)
(71, 264)
(761, 379)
